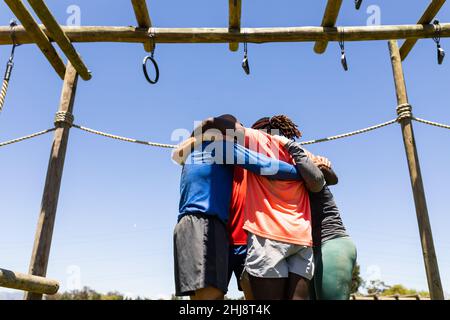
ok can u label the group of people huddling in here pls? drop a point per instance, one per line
(256, 204)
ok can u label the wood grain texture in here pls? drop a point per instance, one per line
(329, 20)
(426, 236)
(427, 17)
(234, 20)
(222, 35)
(26, 282)
(37, 36)
(47, 215)
(58, 35)
(143, 19)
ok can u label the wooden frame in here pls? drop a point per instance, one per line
(42, 36)
(329, 20)
(234, 20)
(222, 35)
(426, 236)
(143, 20)
(428, 16)
(49, 204)
(26, 282)
(36, 35)
(60, 37)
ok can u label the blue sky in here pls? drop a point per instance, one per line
(118, 201)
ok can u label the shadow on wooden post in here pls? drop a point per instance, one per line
(426, 237)
(44, 232)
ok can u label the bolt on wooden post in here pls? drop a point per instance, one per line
(44, 232)
(426, 237)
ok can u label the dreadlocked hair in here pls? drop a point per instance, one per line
(281, 123)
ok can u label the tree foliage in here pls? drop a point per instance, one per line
(357, 281)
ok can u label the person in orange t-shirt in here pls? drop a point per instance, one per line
(277, 218)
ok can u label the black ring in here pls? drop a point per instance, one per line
(155, 65)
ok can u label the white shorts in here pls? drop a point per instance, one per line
(268, 258)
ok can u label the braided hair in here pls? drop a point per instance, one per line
(282, 123)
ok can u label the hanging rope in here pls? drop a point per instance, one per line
(9, 66)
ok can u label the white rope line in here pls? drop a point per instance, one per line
(431, 123)
(112, 136)
(353, 133)
(172, 146)
(34, 135)
(3, 92)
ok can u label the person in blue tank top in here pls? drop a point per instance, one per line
(200, 236)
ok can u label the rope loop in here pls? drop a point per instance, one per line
(404, 111)
(63, 119)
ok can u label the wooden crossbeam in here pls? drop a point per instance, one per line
(143, 19)
(234, 20)
(60, 37)
(26, 282)
(428, 16)
(329, 20)
(37, 35)
(222, 35)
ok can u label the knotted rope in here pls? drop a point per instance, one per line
(404, 111)
(63, 119)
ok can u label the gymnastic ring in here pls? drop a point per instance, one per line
(155, 65)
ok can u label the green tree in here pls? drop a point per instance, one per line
(357, 281)
(376, 287)
(403, 291)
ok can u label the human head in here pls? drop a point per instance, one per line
(283, 124)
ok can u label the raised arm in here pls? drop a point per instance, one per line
(225, 124)
(311, 174)
(262, 165)
(330, 176)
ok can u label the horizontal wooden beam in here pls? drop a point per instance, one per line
(143, 19)
(60, 37)
(35, 34)
(222, 35)
(329, 20)
(234, 20)
(428, 16)
(26, 282)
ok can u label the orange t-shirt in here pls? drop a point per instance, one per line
(277, 210)
(238, 236)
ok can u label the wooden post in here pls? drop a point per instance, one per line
(426, 237)
(426, 18)
(26, 282)
(37, 35)
(143, 19)
(329, 20)
(55, 31)
(44, 232)
(234, 20)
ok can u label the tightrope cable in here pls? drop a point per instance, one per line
(172, 146)
(431, 123)
(34, 135)
(350, 134)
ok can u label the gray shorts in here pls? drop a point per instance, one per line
(201, 254)
(268, 258)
